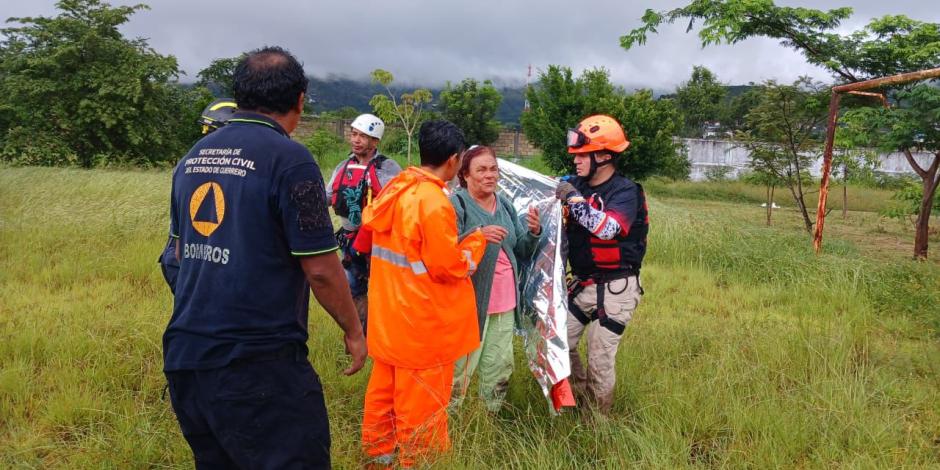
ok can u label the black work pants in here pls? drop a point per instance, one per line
(261, 414)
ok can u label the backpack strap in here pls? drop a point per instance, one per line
(372, 168)
(370, 172)
(337, 181)
(463, 207)
(377, 160)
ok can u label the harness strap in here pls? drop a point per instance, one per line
(600, 314)
(578, 313)
(602, 318)
(601, 311)
(614, 327)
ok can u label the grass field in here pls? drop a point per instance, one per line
(747, 351)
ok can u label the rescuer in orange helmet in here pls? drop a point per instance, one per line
(606, 231)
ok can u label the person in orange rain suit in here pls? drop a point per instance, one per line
(422, 309)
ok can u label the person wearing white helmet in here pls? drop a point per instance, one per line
(355, 181)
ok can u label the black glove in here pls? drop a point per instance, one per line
(565, 191)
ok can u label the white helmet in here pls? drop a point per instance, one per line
(369, 125)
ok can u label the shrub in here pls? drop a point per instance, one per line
(23, 146)
(322, 142)
(717, 173)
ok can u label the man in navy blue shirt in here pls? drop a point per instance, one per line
(249, 211)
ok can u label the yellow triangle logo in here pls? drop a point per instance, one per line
(205, 224)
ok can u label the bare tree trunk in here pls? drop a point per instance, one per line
(807, 223)
(922, 230)
(770, 202)
(930, 182)
(845, 190)
(798, 193)
(408, 153)
(845, 200)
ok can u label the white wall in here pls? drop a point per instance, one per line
(704, 153)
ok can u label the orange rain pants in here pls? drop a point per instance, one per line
(406, 409)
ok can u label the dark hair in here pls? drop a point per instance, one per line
(269, 80)
(467, 158)
(438, 140)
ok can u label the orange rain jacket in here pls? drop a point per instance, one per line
(422, 310)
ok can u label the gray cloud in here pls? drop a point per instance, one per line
(430, 42)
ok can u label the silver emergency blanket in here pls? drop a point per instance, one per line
(544, 300)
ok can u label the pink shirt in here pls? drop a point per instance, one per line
(503, 292)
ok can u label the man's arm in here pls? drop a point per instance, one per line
(602, 224)
(174, 222)
(446, 258)
(302, 206)
(328, 283)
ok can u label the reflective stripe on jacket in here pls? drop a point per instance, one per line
(422, 309)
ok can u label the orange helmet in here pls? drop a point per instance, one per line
(597, 132)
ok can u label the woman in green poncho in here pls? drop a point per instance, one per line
(496, 281)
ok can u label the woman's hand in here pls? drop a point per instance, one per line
(533, 220)
(494, 233)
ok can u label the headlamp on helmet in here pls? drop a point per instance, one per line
(217, 114)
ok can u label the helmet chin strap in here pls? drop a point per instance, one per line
(595, 165)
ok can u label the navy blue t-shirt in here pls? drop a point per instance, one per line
(246, 203)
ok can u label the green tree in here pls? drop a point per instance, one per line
(911, 124)
(650, 126)
(556, 104)
(219, 76)
(909, 198)
(406, 109)
(732, 21)
(322, 142)
(853, 158)
(886, 46)
(472, 107)
(783, 139)
(763, 172)
(346, 112)
(558, 101)
(733, 111)
(74, 85)
(699, 100)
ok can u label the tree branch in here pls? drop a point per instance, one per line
(789, 34)
(917, 168)
(934, 165)
(936, 160)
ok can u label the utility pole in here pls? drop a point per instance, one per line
(528, 77)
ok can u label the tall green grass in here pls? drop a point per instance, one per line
(747, 350)
(859, 198)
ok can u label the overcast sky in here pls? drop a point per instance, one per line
(429, 42)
